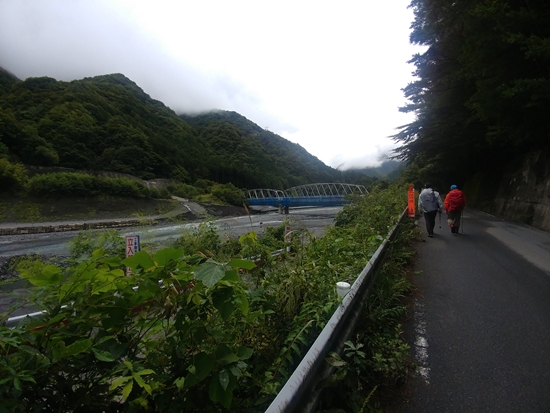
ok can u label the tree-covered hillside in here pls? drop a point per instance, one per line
(109, 123)
(246, 154)
(482, 95)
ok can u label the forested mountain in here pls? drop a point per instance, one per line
(482, 94)
(7, 80)
(243, 152)
(109, 123)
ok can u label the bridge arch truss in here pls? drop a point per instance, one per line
(265, 193)
(322, 194)
(326, 189)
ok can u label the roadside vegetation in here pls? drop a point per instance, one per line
(213, 325)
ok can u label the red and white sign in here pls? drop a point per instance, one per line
(411, 204)
(132, 246)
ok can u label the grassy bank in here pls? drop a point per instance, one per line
(30, 209)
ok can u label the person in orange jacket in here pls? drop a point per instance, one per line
(455, 201)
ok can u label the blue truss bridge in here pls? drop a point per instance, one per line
(319, 195)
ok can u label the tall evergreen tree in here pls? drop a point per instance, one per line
(482, 87)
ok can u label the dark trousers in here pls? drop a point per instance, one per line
(453, 219)
(429, 217)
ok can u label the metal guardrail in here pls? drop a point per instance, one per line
(13, 321)
(299, 394)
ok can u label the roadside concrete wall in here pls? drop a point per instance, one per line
(40, 229)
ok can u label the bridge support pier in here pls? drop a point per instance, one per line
(284, 209)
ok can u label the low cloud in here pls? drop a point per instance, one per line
(303, 83)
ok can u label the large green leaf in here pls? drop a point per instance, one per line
(127, 389)
(222, 393)
(210, 272)
(223, 301)
(231, 275)
(112, 261)
(141, 383)
(61, 351)
(102, 355)
(224, 379)
(245, 353)
(47, 276)
(139, 259)
(98, 253)
(249, 239)
(115, 316)
(242, 302)
(164, 256)
(238, 263)
(203, 365)
(224, 355)
(119, 381)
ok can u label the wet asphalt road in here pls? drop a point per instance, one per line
(481, 327)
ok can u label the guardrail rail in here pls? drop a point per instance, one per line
(299, 394)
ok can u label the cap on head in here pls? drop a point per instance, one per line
(453, 186)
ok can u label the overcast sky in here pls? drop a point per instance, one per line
(326, 75)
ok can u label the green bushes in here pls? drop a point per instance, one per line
(106, 346)
(198, 334)
(111, 242)
(63, 184)
(66, 184)
(209, 192)
(12, 175)
(184, 190)
(229, 194)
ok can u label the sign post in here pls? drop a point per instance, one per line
(287, 235)
(411, 206)
(132, 246)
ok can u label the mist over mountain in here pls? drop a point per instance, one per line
(390, 169)
(109, 123)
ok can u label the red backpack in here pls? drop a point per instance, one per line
(455, 201)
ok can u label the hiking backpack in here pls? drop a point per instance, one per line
(455, 201)
(429, 200)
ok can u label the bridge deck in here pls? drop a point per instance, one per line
(299, 201)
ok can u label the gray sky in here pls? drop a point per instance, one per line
(326, 75)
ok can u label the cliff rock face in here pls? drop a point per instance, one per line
(524, 193)
(520, 193)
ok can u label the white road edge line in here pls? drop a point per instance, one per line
(421, 343)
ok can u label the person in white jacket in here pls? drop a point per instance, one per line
(429, 203)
